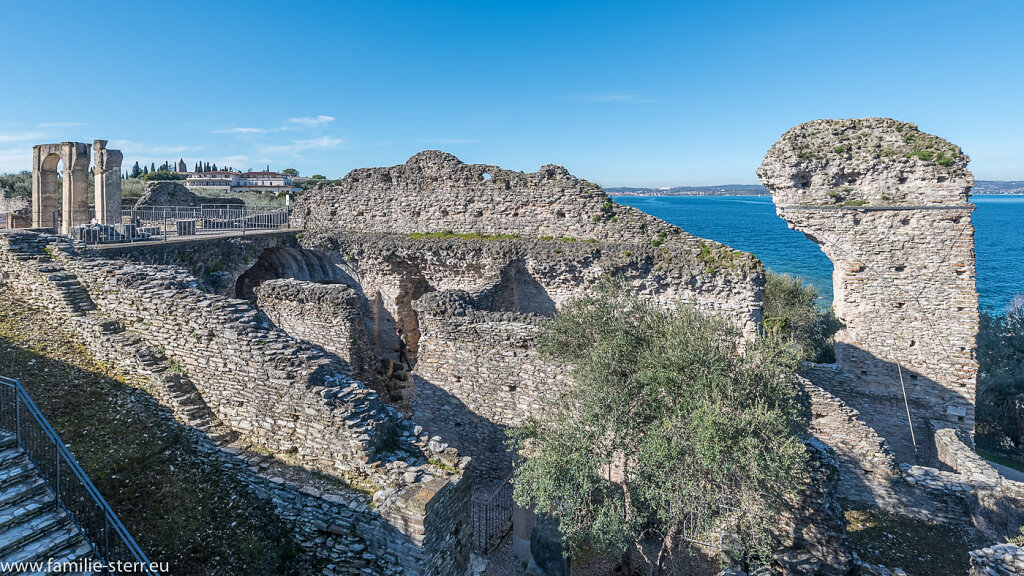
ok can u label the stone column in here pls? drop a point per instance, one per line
(108, 183)
(889, 206)
(75, 204)
(44, 183)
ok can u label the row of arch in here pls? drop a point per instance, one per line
(74, 190)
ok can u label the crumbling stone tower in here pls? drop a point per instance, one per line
(889, 206)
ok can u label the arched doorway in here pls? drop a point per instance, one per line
(73, 192)
(46, 190)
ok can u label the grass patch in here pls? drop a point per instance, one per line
(181, 506)
(1001, 459)
(437, 463)
(921, 548)
(462, 236)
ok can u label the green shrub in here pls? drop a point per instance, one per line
(791, 310)
(1000, 408)
(162, 175)
(686, 421)
(17, 184)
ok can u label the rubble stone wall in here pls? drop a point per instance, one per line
(331, 316)
(562, 224)
(998, 560)
(435, 192)
(275, 408)
(537, 276)
(889, 206)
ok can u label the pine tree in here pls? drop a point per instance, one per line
(214, 167)
(198, 168)
(136, 170)
(145, 170)
(152, 166)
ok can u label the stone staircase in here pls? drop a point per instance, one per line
(33, 528)
(31, 249)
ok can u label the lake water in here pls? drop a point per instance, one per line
(749, 223)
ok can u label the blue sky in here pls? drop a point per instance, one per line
(621, 93)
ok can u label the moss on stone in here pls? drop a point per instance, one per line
(462, 236)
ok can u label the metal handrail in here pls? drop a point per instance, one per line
(63, 456)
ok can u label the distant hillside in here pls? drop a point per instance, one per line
(723, 190)
(980, 187)
(997, 187)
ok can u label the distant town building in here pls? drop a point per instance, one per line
(242, 181)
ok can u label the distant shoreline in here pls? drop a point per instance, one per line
(981, 187)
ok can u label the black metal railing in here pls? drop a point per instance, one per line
(492, 516)
(74, 492)
(159, 223)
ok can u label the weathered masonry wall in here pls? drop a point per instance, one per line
(332, 316)
(488, 360)
(215, 262)
(435, 192)
(543, 213)
(535, 276)
(255, 392)
(998, 560)
(254, 377)
(888, 205)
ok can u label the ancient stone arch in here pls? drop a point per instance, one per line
(74, 205)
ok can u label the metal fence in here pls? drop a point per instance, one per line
(73, 490)
(492, 516)
(161, 223)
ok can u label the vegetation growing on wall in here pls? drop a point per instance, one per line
(791, 311)
(664, 423)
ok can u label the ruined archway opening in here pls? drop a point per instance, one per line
(48, 202)
(292, 263)
(519, 291)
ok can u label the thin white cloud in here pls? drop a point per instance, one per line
(60, 124)
(312, 120)
(22, 136)
(299, 146)
(613, 98)
(240, 131)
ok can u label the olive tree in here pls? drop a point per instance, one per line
(791, 310)
(666, 424)
(1000, 412)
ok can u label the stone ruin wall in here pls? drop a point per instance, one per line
(530, 243)
(332, 316)
(888, 205)
(435, 192)
(550, 210)
(279, 396)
